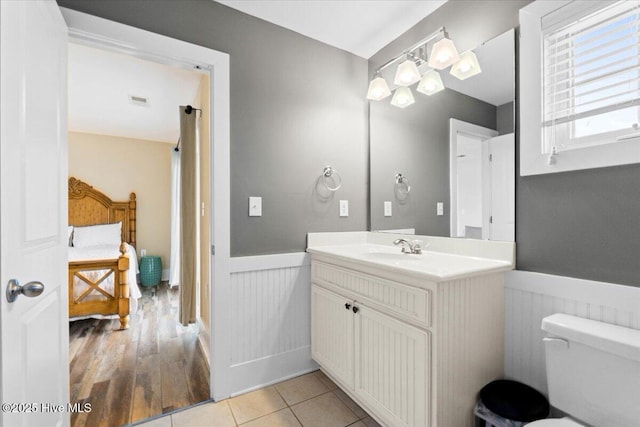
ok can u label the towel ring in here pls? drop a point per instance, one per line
(402, 184)
(328, 172)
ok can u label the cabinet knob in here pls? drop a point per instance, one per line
(355, 309)
(347, 306)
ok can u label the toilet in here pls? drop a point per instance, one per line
(593, 372)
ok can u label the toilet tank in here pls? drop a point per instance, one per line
(593, 370)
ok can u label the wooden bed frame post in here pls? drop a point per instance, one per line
(132, 219)
(123, 299)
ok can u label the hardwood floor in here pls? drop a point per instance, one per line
(154, 367)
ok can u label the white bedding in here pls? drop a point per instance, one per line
(106, 252)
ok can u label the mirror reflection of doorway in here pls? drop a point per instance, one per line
(482, 182)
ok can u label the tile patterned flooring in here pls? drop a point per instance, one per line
(310, 400)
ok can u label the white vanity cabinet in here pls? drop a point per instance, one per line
(332, 333)
(410, 351)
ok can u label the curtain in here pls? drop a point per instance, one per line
(189, 242)
(174, 262)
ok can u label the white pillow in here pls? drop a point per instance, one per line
(93, 235)
(70, 235)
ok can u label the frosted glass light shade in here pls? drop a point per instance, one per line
(378, 89)
(443, 54)
(431, 83)
(407, 73)
(402, 97)
(466, 67)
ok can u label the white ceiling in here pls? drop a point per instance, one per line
(361, 27)
(100, 83)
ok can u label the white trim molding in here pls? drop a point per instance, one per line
(533, 158)
(268, 262)
(102, 33)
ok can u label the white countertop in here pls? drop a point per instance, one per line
(432, 265)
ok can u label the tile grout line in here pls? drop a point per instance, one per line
(235, 421)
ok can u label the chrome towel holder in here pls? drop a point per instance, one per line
(403, 186)
(330, 173)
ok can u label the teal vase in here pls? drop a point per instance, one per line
(150, 270)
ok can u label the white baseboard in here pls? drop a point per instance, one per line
(203, 341)
(263, 372)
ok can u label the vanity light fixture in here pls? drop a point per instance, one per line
(402, 97)
(466, 67)
(442, 54)
(378, 89)
(431, 83)
(407, 73)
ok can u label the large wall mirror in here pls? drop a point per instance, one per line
(454, 151)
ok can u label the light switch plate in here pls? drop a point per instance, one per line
(255, 206)
(387, 208)
(440, 208)
(344, 208)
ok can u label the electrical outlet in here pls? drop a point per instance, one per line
(440, 208)
(387, 208)
(143, 252)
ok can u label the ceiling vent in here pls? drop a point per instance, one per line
(139, 100)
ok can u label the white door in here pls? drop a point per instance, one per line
(392, 368)
(503, 190)
(469, 179)
(33, 213)
(332, 333)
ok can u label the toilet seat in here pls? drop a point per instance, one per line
(555, 422)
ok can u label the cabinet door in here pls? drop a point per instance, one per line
(392, 368)
(332, 333)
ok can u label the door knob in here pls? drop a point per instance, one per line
(31, 289)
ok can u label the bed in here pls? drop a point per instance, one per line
(102, 257)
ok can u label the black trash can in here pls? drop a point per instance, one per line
(507, 403)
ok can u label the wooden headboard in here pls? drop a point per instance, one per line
(88, 206)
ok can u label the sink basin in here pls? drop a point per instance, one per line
(430, 264)
(390, 256)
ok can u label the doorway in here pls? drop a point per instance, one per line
(95, 31)
(123, 132)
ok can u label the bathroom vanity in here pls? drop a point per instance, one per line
(412, 338)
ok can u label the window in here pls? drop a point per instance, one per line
(580, 85)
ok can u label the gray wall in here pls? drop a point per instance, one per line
(296, 106)
(415, 142)
(505, 116)
(285, 127)
(583, 224)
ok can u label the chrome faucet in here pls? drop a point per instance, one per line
(408, 247)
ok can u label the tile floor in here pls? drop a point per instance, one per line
(310, 400)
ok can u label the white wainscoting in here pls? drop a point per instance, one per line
(271, 326)
(529, 297)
